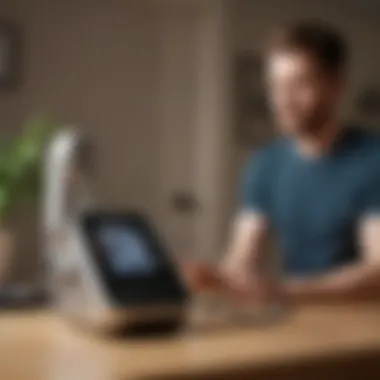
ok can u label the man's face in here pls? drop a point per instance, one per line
(302, 96)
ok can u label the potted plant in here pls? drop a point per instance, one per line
(20, 165)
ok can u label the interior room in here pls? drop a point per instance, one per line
(171, 97)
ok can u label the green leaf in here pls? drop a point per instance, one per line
(20, 165)
(6, 203)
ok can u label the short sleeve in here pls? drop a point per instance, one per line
(254, 187)
(371, 201)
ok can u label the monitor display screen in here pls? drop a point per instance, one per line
(131, 259)
(126, 251)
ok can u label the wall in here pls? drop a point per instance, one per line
(146, 81)
(157, 73)
(90, 65)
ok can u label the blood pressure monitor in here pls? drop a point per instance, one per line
(107, 269)
(133, 266)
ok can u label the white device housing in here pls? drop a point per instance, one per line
(76, 287)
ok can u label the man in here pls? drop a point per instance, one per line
(318, 186)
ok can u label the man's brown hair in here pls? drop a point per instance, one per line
(316, 39)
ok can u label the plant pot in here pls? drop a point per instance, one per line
(6, 254)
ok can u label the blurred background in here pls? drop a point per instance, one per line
(169, 92)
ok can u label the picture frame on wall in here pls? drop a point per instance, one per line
(252, 110)
(10, 55)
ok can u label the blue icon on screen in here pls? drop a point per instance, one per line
(126, 251)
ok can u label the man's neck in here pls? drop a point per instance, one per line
(320, 142)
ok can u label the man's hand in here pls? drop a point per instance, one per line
(238, 272)
(238, 276)
(202, 278)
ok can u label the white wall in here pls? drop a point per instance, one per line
(145, 80)
(94, 66)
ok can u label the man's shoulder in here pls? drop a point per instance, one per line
(367, 143)
(366, 138)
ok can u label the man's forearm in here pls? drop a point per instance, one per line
(352, 282)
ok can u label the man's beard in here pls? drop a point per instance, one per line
(315, 124)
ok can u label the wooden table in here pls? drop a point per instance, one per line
(312, 343)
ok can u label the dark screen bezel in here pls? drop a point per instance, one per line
(164, 286)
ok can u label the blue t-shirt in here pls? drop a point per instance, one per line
(315, 205)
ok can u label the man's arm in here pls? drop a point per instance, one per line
(251, 223)
(239, 269)
(241, 262)
(234, 276)
(357, 281)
